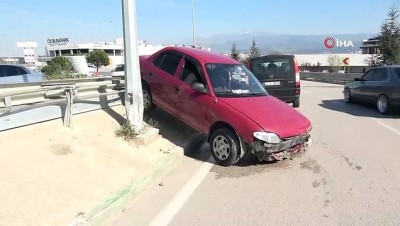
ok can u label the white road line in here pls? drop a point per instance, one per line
(168, 213)
(387, 126)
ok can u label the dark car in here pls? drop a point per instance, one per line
(280, 75)
(10, 74)
(222, 99)
(379, 86)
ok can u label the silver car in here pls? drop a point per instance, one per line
(10, 74)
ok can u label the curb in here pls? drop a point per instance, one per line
(132, 190)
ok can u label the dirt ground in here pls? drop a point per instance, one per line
(51, 174)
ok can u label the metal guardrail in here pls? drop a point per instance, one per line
(334, 78)
(28, 103)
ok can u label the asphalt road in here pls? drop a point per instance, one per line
(350, 176)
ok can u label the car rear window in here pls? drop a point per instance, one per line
(265, 66)
(170, 63)
(10, 70)
(397, 72)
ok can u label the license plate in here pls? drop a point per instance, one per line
(272, 83)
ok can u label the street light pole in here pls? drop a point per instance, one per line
(133, 84)
(7, 48)
(193, 25)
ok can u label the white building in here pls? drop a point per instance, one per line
(76, 53)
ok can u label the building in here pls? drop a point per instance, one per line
(77, 53)
(370, 46)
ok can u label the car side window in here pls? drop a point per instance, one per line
(9, 70)
(190, 74)
(168, 63)
(376, 75)
(368, 75)
(397, 72)
(158, 60)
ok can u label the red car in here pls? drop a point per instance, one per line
(222, 99)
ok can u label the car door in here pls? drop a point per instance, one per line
(375, 84)
(193, 104)
(163, 80)
(359, 91)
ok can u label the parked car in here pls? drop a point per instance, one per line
(379, 86)
(10, 73)
(223, 100)
(118, 71)
(280, 75)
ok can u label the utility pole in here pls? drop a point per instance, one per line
(193, 25)
(133, 84)
(7, 47)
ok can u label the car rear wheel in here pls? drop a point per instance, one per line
(347, 96)
(225, 147)
(147, 99)
(296, 103)
(382, 104)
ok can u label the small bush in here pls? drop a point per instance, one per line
(126, 131)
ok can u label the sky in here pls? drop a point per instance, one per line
(170, 21)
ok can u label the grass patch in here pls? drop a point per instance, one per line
(126, 131)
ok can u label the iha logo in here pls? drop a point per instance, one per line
(331, 43)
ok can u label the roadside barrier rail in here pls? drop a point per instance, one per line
(334, 78)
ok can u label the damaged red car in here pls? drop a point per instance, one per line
(222, 99)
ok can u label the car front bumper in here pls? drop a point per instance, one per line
(285, 149)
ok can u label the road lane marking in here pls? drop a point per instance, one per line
(387, 126)
(173, 207)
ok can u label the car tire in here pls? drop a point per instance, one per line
(382, 104)
(296, 103)
(347, 96)
(225, 147)
(147, 99)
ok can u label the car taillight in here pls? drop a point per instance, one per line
(297, 70)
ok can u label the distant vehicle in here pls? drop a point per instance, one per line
(223, 100)
(280, 75)
(118, 71)
(10, 74)
(379, 86)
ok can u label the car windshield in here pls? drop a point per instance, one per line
(234, 80)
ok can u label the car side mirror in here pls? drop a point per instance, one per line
(199, 87)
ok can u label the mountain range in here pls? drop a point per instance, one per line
(283, 43)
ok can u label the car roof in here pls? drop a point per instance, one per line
(203, 55)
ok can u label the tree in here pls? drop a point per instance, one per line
(58, 68)
(254, 51)
(98, 58)
(334, 63)
(234, 52)
(389, 40)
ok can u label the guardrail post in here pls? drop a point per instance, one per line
(71, 94)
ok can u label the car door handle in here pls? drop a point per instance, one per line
(150, 74)
(177, 88)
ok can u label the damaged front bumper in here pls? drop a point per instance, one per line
(285, 149)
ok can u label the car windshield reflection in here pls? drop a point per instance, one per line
(234, 80)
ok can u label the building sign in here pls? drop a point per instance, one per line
(331, 43)
(29, 53)
(57, 41)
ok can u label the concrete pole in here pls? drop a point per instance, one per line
(133, 84)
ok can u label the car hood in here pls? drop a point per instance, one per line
(271, 114)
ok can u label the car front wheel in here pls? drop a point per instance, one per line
(382, 104)
(225, 147)
(347, 96)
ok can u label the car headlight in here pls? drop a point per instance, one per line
(271, 138)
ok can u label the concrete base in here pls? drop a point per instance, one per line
(145, 138)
